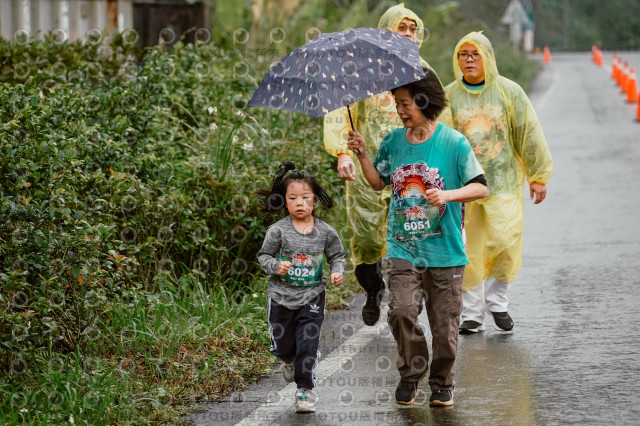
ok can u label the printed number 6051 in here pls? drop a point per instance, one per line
(414, 226)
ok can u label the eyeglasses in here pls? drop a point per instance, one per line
(465, 56)
(403, 27)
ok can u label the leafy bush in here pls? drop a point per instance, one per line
(128, 225)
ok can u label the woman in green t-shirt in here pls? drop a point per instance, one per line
(432, 170)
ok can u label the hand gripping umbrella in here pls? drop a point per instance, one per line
(337, 69)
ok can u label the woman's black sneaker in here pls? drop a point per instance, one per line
(470, 327)
(406, 392)
(502, 321)
(441, 397)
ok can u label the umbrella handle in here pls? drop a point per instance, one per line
(361, 155)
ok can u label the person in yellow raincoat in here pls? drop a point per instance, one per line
(496, 116)
(367, 209)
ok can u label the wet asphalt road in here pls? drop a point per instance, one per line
(574, 354)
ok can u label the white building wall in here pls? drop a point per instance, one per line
(7, 19)
(42, 16)
(98, 14)
(62, 20)
(70, 18)
(23, 15)
(125, 15)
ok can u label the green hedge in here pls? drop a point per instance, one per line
(128, 224)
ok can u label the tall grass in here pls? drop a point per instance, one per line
(148, 355)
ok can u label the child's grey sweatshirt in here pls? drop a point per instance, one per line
(306, 278)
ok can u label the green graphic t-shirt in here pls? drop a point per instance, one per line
(425, 235)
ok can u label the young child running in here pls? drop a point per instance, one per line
(432, 170)
(292, 255)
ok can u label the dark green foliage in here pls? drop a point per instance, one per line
(611, 25)
(126, 181)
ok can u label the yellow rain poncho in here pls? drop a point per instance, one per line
(507, 138)
(373, 117)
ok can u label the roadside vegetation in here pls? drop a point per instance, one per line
(128, 228)
(129, 289)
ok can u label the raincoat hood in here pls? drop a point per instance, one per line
(391, 19)
(485, 49)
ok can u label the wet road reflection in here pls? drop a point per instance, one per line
(574, 355)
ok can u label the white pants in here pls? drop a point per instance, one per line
(490, 295)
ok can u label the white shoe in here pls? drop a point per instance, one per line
(304, 401)
(288, 372)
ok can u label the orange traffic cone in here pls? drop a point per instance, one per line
(638, 114)
(596, 55)
(614, 68)
(546, 55)
(632, 87)
(619, 71)
(624, 77)
(599, 61)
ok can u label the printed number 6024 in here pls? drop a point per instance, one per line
(300, 272)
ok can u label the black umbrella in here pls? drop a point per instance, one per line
(337, 69)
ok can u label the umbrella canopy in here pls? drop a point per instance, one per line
(337, 69)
